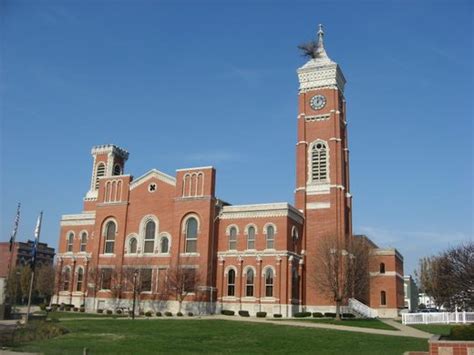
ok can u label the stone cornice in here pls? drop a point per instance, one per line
(110, 148)
(81, 219)
(267, 210)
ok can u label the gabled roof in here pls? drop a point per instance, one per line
(153, 173)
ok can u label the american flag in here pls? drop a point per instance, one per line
(15, 227)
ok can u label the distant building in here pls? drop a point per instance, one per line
(428, 301)
(411, 293)
(22, 254)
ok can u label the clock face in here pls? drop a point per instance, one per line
(318, 102)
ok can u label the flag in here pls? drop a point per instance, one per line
(37, 236)
(15, 227)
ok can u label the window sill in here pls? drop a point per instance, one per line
(189, 254)
(249, 298)
(107, 255)
(230, 298)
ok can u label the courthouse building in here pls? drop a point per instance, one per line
(257, 257)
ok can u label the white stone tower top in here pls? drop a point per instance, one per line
(320, 71)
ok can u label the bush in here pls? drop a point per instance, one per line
(227, 312)
(348, 315)
(277, 315)
(54, 308)
(302, 314)
(318, 315)
(42, 306)
(244, 313)
(261, 314)
(141, 313)
(37, 330)
(82, 309)
(100, 311)
(75, 309)
(462, 332)
(190, 314)
(148, 314)
(168, 314)
(158, 314)
(330, 315)
(118, 311)
(109, 312)
(179, 314)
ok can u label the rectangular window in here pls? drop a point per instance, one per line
(105, 279)
(109, 246)
(191, 245)
(145, 280)
(189, 280)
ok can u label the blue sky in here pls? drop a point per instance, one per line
(188, 83)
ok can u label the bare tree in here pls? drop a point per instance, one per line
(309, 49)
(342, 270)
(44, 281)
(181, 281)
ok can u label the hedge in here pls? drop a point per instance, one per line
(158, 314)
(318, 315)
(277, 316)
(261, 314)
(227, 312)
(244, 313)
(168, 314)
(179, 314)
(330, 315)
(302, 314)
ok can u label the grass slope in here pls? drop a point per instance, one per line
(117, 336)
(362, 323)
(441, 329)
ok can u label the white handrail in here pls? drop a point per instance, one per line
(362, 309)
(438, 317)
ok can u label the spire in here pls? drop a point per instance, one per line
(320, 52)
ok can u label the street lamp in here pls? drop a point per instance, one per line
(135, 275)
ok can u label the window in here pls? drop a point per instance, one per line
(270, 237)
(99, 173)
(383, 298)
(145, 280)
(231, 283)
(80, 279)
(67, 279)
(191, 235)
(117, 169)
(249, 283)
(319, 162)
(251, 238)
(233, 238)
(70, 242)
(295, 238)
(83, 241)
(164, 245)
(110, 230)
(269, 283)
(189, 280)
(294, 283)
(150, 229)
(382, 268)
(105, 279)
(132, 246)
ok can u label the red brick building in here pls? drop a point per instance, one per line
(21, 254)
(251, 257)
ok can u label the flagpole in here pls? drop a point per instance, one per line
(12, 250)
(33, 262)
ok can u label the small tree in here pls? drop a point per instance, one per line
(181, 281)
(25, 279)
(44, 282)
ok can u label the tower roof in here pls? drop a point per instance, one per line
(319, 55)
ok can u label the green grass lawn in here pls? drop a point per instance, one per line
(363, 323)
(441, 329)
(71, 314)
(115, 336)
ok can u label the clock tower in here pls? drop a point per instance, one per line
(322, 162)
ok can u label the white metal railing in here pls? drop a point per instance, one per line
(362, 309)
(438, 317)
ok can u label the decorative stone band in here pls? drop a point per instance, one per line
(318, 205)
(83, 219)
(254, 254)
(153, 173)
(69, 255)
(388, 252)
(282, 209)
(317, 118)
(314, 76)
(110, 148)
(387, 273)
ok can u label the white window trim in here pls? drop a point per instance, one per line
(104, 230)
(183, 232)
(310, 164)
(142, 231)
(160, 237)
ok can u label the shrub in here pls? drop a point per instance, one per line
(179, 314)
(118, 311)
(109, 312)
(190, 314)
(244, 313)
(462, 332)
(141, 313)
(148, 314)
(82, 309)
(100, 311)
(42, 306)
(54, 308)
(261, 314)
(348, 315)
(330, 315)
(277, 315)
(302, 314)
(318, 315)
(227, 312)
(168, 314)
(37, 330)
(158, 314)
(75, 309)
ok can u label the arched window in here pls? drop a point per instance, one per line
(382, 268)
(233, 238)
(294, 237)
(70, 242)
(67, 279)
(150, 229)
(99, 173)
(132, 246)
(83, 241)
(269, 283)
(191, 235)
(117, 169)
(294, 283)
(231, 283)
(80, 279)
(164, 245)
(270, 239)
(249, 283)
(251, 238)
(319, 162)
(383, 298)
(110, 230)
